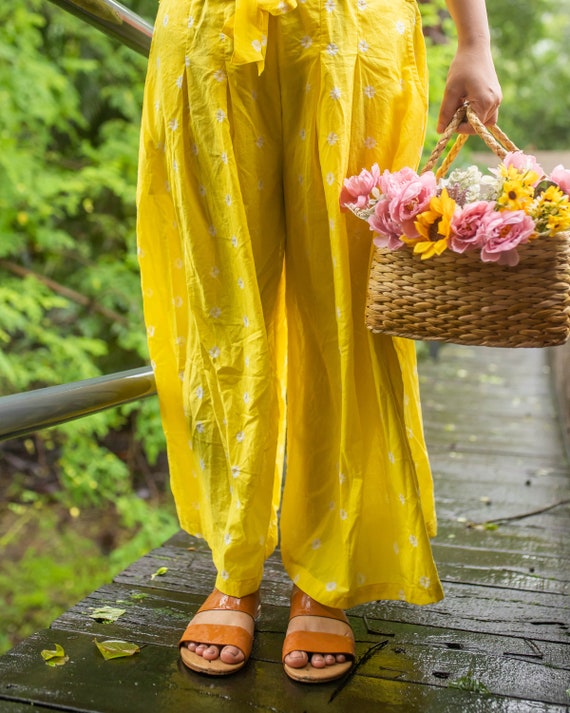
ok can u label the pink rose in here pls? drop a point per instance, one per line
(465, 224)
(524, 162)
(357, 189)
(409, 194)
(387, 231)
(503, 231)
(561, 176)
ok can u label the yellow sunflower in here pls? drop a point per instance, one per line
(433, 226)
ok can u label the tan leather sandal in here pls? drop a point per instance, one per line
(204, 630)
(317, 629)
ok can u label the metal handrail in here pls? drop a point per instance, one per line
(114, 20)
(30, 411)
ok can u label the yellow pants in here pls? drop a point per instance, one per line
(254, 286)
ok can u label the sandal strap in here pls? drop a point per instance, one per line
(224, 634)
(224, 602)
(303, 605)
(220, 635)
(315, 642)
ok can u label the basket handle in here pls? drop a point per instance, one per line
(494, 138)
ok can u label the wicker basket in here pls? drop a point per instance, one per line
(458, 298)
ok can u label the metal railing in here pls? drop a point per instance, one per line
(31, 411)
(25, 413)
(114, 20)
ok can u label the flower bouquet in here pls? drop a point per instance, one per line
(469, 258)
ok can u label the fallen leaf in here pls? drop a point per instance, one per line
(107, 614)
(56, 657)
(116, 649)
(159, 572)
(468, 683)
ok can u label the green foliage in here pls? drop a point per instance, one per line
(532, 51)
(70, 305)
(531, 47)
(63, 561)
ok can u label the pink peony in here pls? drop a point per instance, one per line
(465, 233)
(561, 176)
(357, 189)
(387, 231)
(524, 162)
(409, 194)
(503, 231)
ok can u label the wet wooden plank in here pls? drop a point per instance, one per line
(152, 680)
(158, 617)
(509, 538)
(467, 606)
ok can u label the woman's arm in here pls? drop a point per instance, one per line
(471, 75)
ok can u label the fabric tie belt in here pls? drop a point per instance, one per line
(248, 27)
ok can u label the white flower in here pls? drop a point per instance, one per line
(220, 115)
(335, 93)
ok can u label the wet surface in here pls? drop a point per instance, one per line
(499, 641)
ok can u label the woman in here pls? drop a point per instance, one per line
(254, 286)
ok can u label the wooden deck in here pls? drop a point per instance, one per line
(499, 642)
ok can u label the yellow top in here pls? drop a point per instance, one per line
(248, 27)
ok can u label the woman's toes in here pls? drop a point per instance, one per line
(231, 655)
(297, 659)
(318, 661)
(330, 659)
(192, 646)
(340, 658)
(210, 653)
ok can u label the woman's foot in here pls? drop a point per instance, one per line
(319, 645)
(219, 638)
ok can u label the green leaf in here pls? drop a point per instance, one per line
(55, 657)
(116, 649)
(107, 614)
(468, 683)
(159, 572)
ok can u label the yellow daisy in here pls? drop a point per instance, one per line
(518, 189)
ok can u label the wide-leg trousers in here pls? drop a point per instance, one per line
(254, 285)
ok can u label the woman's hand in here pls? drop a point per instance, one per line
(471, 78)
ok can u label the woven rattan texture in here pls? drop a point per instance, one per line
(458, 298)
